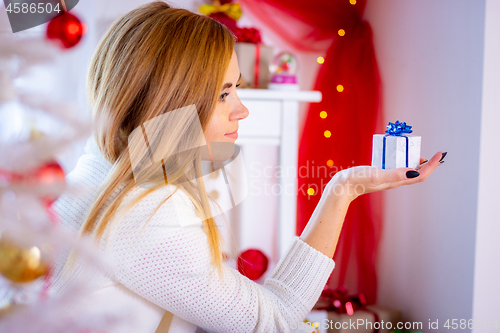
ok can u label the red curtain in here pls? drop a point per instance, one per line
(341, 136)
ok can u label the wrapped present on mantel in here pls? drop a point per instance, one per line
(254, 60)
(338, 312)
(396, 149)
(253, 57)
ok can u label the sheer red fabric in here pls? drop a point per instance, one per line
(350, 84)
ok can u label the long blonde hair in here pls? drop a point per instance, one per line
(153, 60)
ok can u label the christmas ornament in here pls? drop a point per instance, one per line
(21, 264)
(49, 174)
(66, 29)
(252, 263)
(49, 178)
(284, 72)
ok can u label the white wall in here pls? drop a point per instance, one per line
(430, 55)
(487, 271)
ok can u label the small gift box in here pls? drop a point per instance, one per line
(395, 149)
(338, 312)
(254, 61)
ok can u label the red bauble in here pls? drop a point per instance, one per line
(66, 29)
(252, 263)
(49, 174)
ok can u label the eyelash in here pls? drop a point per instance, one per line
(224, 95)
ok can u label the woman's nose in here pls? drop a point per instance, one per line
(240, 112)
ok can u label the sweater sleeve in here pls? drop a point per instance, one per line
(167, 261)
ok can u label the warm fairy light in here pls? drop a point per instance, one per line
(329, 163)
(352, 2)
(323, 114)
(328, 134)
(340, 88)
(321, 60)
(341, 32)
(310, 191)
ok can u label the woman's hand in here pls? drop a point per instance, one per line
(359, 180)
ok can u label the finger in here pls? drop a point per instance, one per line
(431, 165)
(422, 162)
(407, 176)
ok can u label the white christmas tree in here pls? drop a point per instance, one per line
(31, 239)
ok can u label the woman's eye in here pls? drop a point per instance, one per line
(239, 84)
(223, 96)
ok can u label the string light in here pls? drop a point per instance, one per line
(329, 163)
(352, 2)
(323, 114)
(310, 191)
(328, 134)
(340, 88)
(320, 60)
(341, 32)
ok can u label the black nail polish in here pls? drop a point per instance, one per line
(424, 162)
(442, 157)
(412, 174)
(441, 162)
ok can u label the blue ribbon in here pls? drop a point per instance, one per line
(396, 129)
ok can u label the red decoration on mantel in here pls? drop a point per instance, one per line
(252, 263)
(66, 29)
(248, 35)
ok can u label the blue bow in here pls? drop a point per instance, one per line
(398, 129)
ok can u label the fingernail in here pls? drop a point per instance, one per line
(441, 162)
(442, 157)
(412, 174)
(424, 162)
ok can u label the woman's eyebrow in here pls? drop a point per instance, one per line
(229, 84)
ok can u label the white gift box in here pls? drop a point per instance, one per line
(397, 152)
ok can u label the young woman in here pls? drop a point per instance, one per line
(159, 231)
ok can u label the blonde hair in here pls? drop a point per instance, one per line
(153, 60)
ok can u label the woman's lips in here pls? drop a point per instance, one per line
(232, 135)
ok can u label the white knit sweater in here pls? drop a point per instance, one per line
(162, 266)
